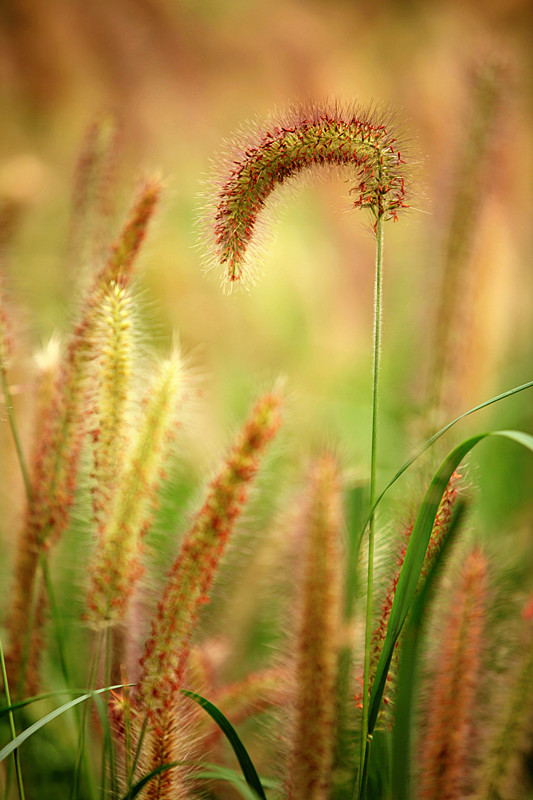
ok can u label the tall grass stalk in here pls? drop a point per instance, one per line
(378, 295)
(16, 754)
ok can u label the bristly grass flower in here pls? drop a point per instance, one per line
(166, 651)
(54, 466)
(302, 139)
(319, 634)
(447, 745)
(308, 137)
(130, 507)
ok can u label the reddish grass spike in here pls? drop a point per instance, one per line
(315, 701)
(166, 651)
(128, 244)
(447, 747)
(193, 572)
(307, 137)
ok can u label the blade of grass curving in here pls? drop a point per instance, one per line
(436, 436)
(416, 551)
(215, 772)
(404, 701)
(139, 786)
(248, 770)
(22, 737)
(413, 562)
(29, 700)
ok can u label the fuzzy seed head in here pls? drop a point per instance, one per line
(446, 754)
(318, 639)
(117, 567)
(112, 362)
(307, 137)
(192, 574)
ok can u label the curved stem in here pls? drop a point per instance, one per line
(365, 741)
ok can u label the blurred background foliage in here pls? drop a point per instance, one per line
(180, 76)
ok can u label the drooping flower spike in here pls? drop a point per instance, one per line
(306, 137)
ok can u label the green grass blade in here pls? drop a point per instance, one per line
(356, 502)
(248, 770)
(139, 786)
(401, 735)
(108, 747)
(412, 567)
(46, 696)
(138, 749)
(436, 436)
(215, 772)
(22, 737)
(12, 729)
(415, 554)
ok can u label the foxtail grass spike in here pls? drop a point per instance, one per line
(111, 396)
(54, 467)
(453, 328)
(191, 575)
(313, 738)
(128, 244)
(117, 565)
(440, 526)
(91, 199)
(504, 763)
(305, 138)
(446, 754)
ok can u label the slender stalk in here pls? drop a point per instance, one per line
(14, 431)
(105, 743)
(82, 760)
(365, 739)
(16, 756)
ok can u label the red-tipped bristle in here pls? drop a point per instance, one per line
(305, 138)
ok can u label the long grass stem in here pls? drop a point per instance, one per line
(82, 760)
(12, 729)
(14, 430)
(365, 741)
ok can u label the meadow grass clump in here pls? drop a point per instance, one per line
(376, 688)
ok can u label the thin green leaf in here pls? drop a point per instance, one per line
(108, 747)
(139, 786)
(248, 770)
(215, 772)
(415, 554)
(355, 501)
(436, 436)
(21, 738)
(13, 731)
(46, 696)
(401, 738)
(138, 749)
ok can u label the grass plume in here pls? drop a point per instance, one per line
(305, 137)
(317, 649)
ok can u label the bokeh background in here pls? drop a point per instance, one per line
(180, 76)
